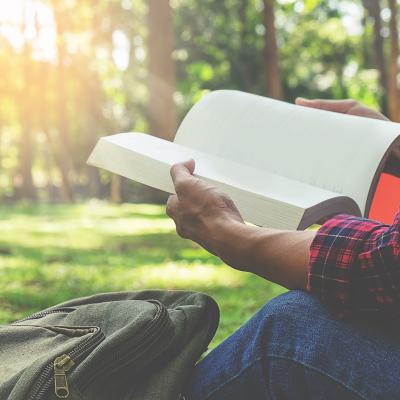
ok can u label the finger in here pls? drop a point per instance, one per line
(340, 106)
(366, 112)
(181, 231)
(172, 206)
(181, 173)
(182, 169)
(190, 165)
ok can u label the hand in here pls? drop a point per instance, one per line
(200, 212)
(350, 107)
(210, 218)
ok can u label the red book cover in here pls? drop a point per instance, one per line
(386, 200)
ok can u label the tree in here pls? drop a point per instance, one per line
(374, 10)
(25, 103)
(393, 88)
(161, 70)
(65, 163)
(72, 90)
(273, 75)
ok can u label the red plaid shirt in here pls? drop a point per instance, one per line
(355, 266)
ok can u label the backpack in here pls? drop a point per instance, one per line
(123, 346)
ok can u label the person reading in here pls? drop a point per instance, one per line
(312, 342)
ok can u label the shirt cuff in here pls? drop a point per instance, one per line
(333, 260)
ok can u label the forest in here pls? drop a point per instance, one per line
(74, 70)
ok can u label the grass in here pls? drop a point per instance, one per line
(52, 253)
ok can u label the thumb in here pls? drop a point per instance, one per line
(182, 170)
(190, 165)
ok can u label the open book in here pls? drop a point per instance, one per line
(285, 166)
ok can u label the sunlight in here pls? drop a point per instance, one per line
(180, 275)
(29, 22)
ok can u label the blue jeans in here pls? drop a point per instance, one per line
(294, 348)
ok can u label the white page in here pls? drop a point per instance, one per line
(213, 168)
(332, 151)
(262, 198)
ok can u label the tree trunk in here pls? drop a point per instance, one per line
(28, 190)
(116, 197)
(393, 88)
(374, 10)
(273, 75)
(94, 121)
(65, 163)
(93, 175)
(161, 70)
(244, 60)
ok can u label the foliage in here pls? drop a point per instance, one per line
(73, 70)
(52, 253)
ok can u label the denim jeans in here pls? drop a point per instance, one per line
(294, 348)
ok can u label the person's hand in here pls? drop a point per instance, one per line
(350, 107)
(210, 218)
(201, 212)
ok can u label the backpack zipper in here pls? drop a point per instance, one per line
(154, 330)
(56, 370)
(61, 366)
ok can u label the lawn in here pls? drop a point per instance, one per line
(52, 253)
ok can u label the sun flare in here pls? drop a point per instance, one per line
(29, 22)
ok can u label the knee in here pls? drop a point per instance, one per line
(284, 319)
(291, 306)
(287, 318)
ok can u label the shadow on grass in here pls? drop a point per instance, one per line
(139, 249)
(41, 266)
(68, 212)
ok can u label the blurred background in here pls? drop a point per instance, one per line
(74, 70)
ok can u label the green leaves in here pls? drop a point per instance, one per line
(218, 44)
(311, 5)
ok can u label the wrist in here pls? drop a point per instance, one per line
(237, 243)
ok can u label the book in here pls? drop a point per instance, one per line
(285, 166)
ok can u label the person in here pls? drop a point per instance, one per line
(335, 334)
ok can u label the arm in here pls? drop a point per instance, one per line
(278, 256)
(208, 217)
(352, 264)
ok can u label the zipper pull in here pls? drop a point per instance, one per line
(61, 365)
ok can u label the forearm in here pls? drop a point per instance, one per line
(279, 256)
(210, 218)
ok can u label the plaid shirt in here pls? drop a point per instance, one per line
(355, 266)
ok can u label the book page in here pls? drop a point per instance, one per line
(214, 168)
(332, 151)
(263, 198)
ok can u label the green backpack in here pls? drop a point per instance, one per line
(123, 346)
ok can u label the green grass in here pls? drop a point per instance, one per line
(52, 253)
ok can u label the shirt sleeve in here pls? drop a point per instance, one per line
(355, 266)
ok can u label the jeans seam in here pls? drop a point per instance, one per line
(233, 377)
(315, 369)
